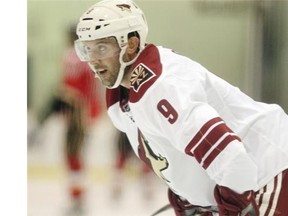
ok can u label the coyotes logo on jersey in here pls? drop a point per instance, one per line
(157, 163)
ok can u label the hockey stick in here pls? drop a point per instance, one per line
(164, 208)
(195, 211)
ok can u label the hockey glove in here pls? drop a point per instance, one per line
(184, 208)
(231, 203)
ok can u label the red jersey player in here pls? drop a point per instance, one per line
(78, 98)
(80, 90)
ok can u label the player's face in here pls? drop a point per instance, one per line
(104, 58)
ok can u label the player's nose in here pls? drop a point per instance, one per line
(95, 63)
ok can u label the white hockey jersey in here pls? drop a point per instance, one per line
(195, 130)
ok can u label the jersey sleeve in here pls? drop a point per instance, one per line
(196, 129)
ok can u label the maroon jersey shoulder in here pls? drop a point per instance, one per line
(146, 70)
(112, 96)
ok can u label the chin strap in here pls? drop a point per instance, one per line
(123, 65)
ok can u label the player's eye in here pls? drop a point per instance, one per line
(102, 48)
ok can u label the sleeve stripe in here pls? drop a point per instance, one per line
(198, 138)
(216, 151)
(210, 140)
(213, 137)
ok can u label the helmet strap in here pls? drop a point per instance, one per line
(123, 65)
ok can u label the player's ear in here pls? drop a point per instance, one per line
(133, 45)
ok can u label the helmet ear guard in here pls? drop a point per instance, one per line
(114, 18)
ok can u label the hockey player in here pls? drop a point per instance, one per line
(124, 155)
(78, 99)
(217, 149)
(82, 96)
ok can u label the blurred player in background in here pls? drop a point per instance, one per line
(123, 161)
(78, 99)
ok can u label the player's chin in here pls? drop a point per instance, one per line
(107, 84)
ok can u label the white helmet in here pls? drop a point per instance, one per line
(113, 18)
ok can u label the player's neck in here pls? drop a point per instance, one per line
(126, 78)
